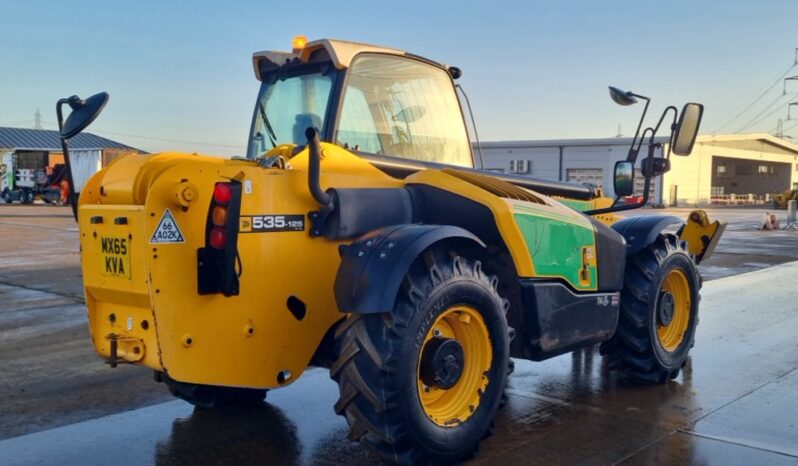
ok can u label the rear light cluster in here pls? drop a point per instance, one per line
(218, 264)
(222, 194)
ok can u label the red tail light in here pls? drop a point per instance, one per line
(218, 264)
(222, 193)
(217, 238)
(217, 235)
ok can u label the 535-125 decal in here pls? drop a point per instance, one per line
(271, 223)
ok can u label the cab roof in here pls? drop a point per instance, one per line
(340, 52)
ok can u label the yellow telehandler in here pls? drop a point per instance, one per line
(359, 234)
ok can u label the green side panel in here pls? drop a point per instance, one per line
(577, 205)
(555, 245)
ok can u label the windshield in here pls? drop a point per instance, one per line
(405, 108)
(286, 108)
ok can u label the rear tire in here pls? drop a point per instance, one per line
(659, 313)
(393, 405)
(211, 396)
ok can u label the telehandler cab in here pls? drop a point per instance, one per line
(358, 235)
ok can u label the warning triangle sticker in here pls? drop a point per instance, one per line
(167, 230)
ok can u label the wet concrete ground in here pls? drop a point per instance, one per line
(735, 403)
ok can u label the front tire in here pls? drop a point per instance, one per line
(659, 313)
(27, 197)
(422, 385)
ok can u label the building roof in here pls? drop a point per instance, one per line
(719, 139)
(566, 142)
(738, 139)
(49, 140)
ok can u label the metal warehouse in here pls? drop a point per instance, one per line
(722, 169)
(27, 156)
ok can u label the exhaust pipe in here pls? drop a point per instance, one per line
(314, 162)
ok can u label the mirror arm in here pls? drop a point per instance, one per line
(673, 126)
(646, 184)
(659, 123)
(643, 138)
(65, 149)
(632, 156)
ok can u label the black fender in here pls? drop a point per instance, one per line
(373, 267)
(642, 230)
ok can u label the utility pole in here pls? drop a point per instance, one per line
(791, 78)
(37, 119)
(780, 129)
(619, 135)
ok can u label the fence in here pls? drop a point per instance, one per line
(741, 199)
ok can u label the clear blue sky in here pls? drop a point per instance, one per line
(181, 71)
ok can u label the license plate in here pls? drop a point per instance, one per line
(115, 256)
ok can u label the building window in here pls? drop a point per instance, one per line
(721, 170)
(520, 166)
(742, 169)
(765, 170)
(594, 176)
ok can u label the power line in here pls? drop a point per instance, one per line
(758, 115)
(758, 98)
(18, 122)
(781, 107)
(151, 138)
(209, 144)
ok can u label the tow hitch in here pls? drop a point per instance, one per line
(124, 349)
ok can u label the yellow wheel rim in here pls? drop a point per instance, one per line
(672, 335)
(453, 406)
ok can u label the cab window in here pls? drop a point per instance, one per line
(402, 107)
(357, 129)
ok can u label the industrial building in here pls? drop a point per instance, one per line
(27, 156)
(722, 169)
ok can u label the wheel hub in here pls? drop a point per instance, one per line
(665, 308)
(442, 362)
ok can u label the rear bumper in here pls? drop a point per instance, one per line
(113, 245)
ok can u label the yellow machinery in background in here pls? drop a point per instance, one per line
(781, 200)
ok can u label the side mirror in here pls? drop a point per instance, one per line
(84, 112)
(624, 178)
(620, 97)
(686, 130)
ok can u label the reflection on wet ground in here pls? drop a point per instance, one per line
(735, 403)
